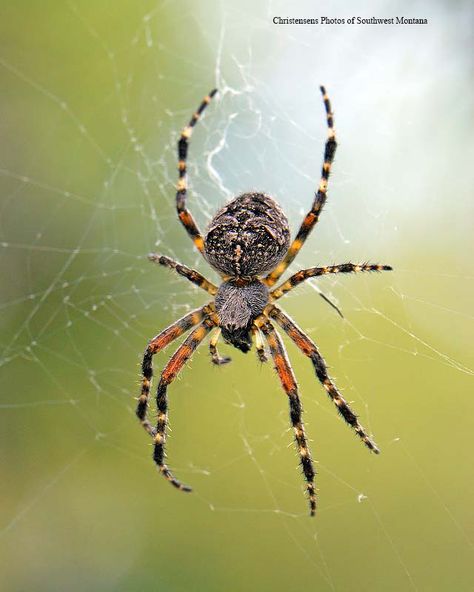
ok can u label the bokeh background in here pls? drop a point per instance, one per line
(93, 97)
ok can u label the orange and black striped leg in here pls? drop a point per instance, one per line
(184, 214)
(216, 358)
(190, 274)
(304, 274)
(312, 216)
(262, 356)
(171, 370)
(157, 344)
(309, 348)
(288, 381)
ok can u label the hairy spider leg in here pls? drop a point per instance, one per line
(304, 274)
(184, 214)
(288, 382)
(215, 356)
(312, 216)
(159, 342)
(309, 348)
(170, 372)
(190, 274)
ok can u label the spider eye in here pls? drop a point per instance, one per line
(239, 338)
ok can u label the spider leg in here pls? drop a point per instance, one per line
(184, 214)
(262, 356)
(171, 370)
(190, 274)
(157, 344)
(312, 216)
(309, 348)
(288, 382)
(304, 274)
(216, 358)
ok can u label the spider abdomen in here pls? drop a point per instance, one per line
(248, 236)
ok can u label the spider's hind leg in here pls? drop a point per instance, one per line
(184, 215)
(312, 217)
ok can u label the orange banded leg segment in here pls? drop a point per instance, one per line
(216, 358)
(304, 274)
(171, 370)
(288, 382)
(312, 216)
(157, 344)
(190, 274)
(309, 348)
(184, 214)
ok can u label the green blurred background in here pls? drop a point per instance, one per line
(93, 97)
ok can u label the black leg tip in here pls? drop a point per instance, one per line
(155, 257)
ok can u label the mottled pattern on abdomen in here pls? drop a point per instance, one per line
(248, 236)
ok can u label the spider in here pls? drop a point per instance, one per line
(248, 244)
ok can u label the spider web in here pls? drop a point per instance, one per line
(95, 98)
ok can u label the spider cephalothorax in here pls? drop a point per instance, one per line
(238, 303)
(248, 244)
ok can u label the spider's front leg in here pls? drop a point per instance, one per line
(170, 372)
(308, 347)
(288, 382)
(159, 342)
